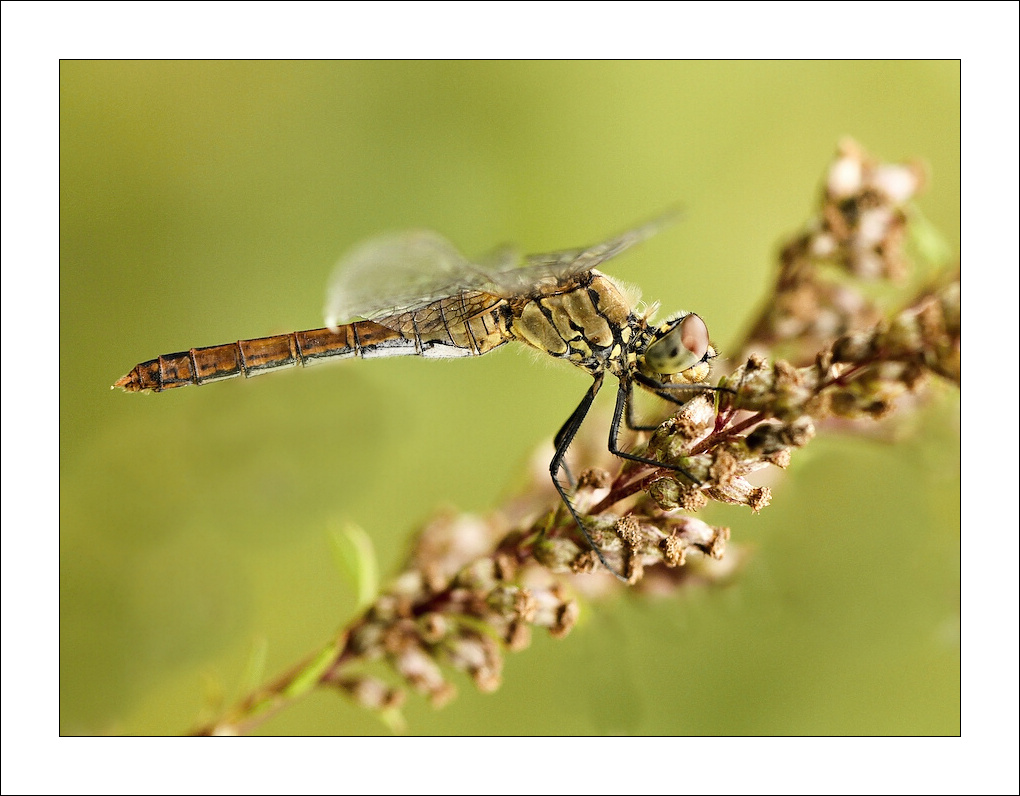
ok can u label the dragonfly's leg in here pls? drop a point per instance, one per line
(631, 423)
(575, 423)
(562, 442)
(665, 391)
(623, 396)
(668, 391)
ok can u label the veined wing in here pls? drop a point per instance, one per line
(547, 270)
(407, 274)
(396, 273)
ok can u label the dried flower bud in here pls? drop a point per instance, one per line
(594, 478)
(419, 669)
(694, 419)
(434, 626)
(856, 347)
(556, 553)
(584, 564)
(665, 492)
(674, 552)
(442, 694)
(629, 531)
(371, 693)
(759, 498)
(566, 618)
(479, 656)
(736, 490)
(899, 184)
(845, 177)
(518, 636)
(693, 532)
(670, 495)
(555, 611)
(505, 567)
(479, 575)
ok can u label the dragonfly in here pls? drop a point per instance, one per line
(415, 294)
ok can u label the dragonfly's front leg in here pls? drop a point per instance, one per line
(624, 399)
(668, 391)
(562, 442)
(632, 424)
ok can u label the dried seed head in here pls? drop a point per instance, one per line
(736, 491)
(629, 531)
(674, 552)
(725, 466)
(555, 610)
(419, 669)
(518, 636)
(557, 553)
(434, 626)
(855, 347)
(566, 618)
(670, 495)
(371, 693)
(845, 176)
(694, 419)
(898, 183)
(665, 492)
(672, 439)
(487, 680)
(594, 478)
(366, 640)
(525, 605)
(633, 568)
(479, 656)
(780, 459)
(584, 563)
(759, 498)
(479, 575)
(442, 695)
(766, 438)
(800, 432)
(693, 532)
(505, 567)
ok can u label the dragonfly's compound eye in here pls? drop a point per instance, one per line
(681, 347)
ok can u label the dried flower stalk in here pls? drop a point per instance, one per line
(476, 587)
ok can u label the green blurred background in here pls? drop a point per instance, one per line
(202, 202)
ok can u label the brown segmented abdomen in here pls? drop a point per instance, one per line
(252, 357)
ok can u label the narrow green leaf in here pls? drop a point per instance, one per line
(312, 673)
(355, 559)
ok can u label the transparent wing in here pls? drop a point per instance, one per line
(404, 272)
(448, 317)
(397, 272)
(546, 270)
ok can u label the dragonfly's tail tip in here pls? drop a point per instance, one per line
(128, 383)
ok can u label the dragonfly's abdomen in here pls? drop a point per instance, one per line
(252, 357)
(587, 324)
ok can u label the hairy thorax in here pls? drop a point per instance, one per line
(587, 321)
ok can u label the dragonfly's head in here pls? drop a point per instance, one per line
(679, 348)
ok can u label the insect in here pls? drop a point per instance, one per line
(417, 295)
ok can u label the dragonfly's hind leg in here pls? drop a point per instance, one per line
(569, 429)
(562, 442)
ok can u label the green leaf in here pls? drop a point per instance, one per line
(356, 560)
(931, 247)
(309, 677)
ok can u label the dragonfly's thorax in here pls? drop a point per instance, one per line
(587, 321)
